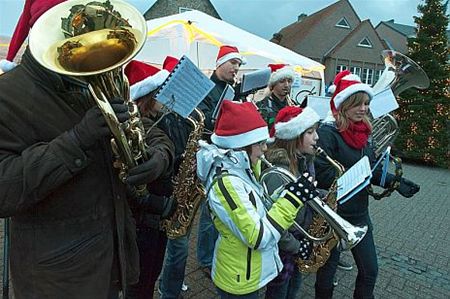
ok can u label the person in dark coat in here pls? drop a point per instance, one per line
(294, 138)
(345, 137)
(158, 205)
(72, 232)
(280, 84)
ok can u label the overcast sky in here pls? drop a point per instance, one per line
(261, 17)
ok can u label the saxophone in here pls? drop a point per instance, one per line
(321, 251)
(188, 191)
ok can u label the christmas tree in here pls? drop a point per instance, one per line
(424, 114)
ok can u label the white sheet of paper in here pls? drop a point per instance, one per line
(355, 178)
(383, 103)
(255, 80)
(319, 104)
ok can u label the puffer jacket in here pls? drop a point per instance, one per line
(246, 252)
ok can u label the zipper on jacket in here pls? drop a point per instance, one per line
(249, 263)
(238, 278)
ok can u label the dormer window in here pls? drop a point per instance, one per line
(183, 9)
(365, 42)
(343, 23)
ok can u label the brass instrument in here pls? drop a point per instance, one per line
(327, 229)
(188, 191)
(92, 44)
(401, 73)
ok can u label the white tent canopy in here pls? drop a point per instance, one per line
(199, 35)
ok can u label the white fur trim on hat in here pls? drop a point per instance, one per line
(297, 125)
(149, 84)
(345, 93)
(285, 72)
(241, 140)
(229, 56)
(331, 89)
(6, 65)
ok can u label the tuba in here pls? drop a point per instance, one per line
(400, 73)
(94, 41)
(327, 230)
(188, 190)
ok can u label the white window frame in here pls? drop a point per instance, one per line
(367, 76)
(377, 76)
(360, 44)
(356, 70)
(340, 68)
(183, 9)
(343, 26)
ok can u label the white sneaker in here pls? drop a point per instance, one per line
(184, 287)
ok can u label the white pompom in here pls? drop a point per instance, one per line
(332, 88)
(6, 65)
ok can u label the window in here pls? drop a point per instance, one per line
(367, 76)
(340, 68)
(355, 70)
(365, 42)
(343, 23)
(377, 76)
(183, 9)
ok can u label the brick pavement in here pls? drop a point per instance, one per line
(411, 238)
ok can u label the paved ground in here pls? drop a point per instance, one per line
(412, 243)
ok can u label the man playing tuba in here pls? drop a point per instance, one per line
(72, 234)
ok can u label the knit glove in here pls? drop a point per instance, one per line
(156, 166)
(407, 188)
(93, 126)
(305, 250)
(304, 188)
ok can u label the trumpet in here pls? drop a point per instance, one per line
(348, 235)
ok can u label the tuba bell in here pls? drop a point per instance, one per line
(400, 73)
(92, 44)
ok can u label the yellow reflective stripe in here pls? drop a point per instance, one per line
(236, 210)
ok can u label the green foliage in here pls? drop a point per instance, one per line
(424, 115)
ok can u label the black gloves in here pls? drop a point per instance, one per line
(93, 126)
(305, 250)
(150, 170)
(407, 188)
(304, 188)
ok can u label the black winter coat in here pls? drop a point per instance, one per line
(71, 228)
(356, 209)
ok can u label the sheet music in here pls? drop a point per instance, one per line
(227, 94)
(383, 103)
(255, 80)
(185, 88)
(354, 179)
(319, 104)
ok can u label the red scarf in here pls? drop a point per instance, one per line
(356, 135)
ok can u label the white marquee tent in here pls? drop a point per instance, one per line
(199, 35)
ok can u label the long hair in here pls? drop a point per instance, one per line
(356, 99)
(290, 146)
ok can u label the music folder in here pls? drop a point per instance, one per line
(227, 95)
(252, 81)
(353, 180)
(185, 88)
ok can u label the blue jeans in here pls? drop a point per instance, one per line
(287, 289)
(365, 257)
(226, 295)
(174, 267)
(206, 239)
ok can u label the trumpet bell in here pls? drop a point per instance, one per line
(90, 53)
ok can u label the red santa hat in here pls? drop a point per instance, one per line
(239, 125)
(345, 84)
(145, 78)
(279, 72)
(292, 121)
(227, 53)
(32, 10)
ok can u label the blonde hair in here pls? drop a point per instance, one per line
(356, 99)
